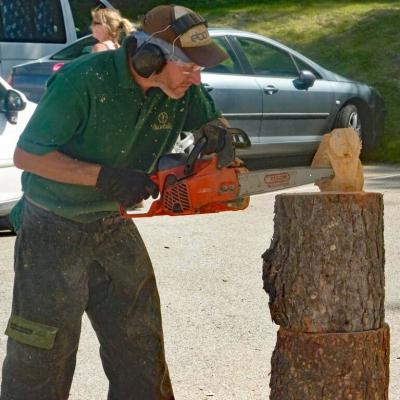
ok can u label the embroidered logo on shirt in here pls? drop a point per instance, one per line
(163, 122)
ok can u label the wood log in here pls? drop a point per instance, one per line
(324, 270)
(331, 366)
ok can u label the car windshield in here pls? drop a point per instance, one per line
(82, 46)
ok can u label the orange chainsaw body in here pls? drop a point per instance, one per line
(207, 189)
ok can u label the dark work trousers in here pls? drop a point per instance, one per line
(63, 268)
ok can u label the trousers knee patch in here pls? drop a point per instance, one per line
(31, 333)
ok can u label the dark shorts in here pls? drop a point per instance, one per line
(62, 269)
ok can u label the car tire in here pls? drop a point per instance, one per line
(349, 117)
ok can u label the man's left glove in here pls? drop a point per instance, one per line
(127, 186)
(217, 136)
(219, 141)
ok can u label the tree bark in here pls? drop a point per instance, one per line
(331, 366)
(324, 270)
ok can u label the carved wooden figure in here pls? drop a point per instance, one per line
(340, 150)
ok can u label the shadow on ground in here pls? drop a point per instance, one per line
(6, 234)
(390, 182)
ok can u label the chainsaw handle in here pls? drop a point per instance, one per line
(194, 155)
(152, 210)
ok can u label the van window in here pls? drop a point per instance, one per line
(81, 12)
(35, 21)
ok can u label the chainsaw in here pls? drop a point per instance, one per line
(196, 185)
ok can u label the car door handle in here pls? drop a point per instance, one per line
(208, 87)
(270, 89)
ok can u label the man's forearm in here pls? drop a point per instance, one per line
(58, 167)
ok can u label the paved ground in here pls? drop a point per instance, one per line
(219, 336)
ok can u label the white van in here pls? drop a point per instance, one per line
(30, 29)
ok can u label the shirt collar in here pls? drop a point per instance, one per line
(124, 75)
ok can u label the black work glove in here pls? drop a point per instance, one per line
(217, 137)
(219, 141)
(127, 186)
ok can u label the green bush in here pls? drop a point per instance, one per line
(135, 9)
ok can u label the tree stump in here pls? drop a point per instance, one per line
(324, 270)
(324, 273)
(331, 366)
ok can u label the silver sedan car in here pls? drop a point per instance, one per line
(283, 100)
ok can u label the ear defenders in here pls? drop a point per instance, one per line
(149, 57)
(152, 53)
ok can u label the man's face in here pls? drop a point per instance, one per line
(176, 78)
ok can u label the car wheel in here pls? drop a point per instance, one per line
(349, 117)
(185, 143)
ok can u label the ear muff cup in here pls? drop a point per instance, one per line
(148, 59)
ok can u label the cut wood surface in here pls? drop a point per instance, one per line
(340, 150)
(334, 366)
(324, 270)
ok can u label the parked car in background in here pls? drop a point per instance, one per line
(283, 100)
(15, 111)
(30, 29)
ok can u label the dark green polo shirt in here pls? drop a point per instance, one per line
(93, 111)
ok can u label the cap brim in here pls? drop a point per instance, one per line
(207, 56)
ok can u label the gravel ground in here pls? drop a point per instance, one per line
(218, 332)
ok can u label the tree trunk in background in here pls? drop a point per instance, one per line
(324, 273)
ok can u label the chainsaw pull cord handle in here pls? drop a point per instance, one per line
(194, 155)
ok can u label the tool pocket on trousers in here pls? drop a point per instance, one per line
(31, 333)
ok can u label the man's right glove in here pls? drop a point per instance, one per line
(127, 186)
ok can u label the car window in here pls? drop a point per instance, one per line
(36, 21)
(80, 47)
(266, 59)
(303, 66)
(81, 12)
(229, 66)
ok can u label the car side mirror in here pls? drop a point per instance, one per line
(305, 80)
(13, 103)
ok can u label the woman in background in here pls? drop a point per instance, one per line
(109, 28)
